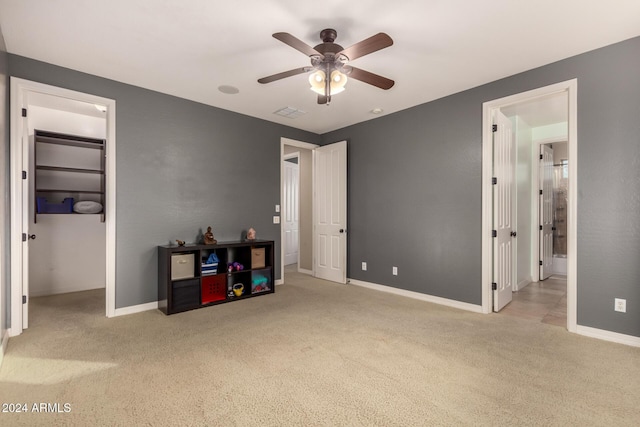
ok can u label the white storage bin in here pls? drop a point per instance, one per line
(182, 266)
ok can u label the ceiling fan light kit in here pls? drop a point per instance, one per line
(330, 59)
(318, 82)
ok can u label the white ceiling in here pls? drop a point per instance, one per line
(190, 48)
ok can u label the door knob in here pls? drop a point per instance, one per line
(513, 234)
(342, 230)
(32, 236)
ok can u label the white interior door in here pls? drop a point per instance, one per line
(330, 212)
(546, 211)
(291, 216)
(503, 211)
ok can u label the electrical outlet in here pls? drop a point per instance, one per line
(620, 305)
(394, 270)
(364, 266)
(276, 219)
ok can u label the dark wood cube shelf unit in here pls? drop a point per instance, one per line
(186, 282)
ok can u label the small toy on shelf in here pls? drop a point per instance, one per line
(208, 237)
(238, 289)
(234, 266)
(251, 234)
(180, 242)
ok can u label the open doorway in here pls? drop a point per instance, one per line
(538, 119)
(291, 210)
(323, 207)
(543, 296)
(68, 254)
(58, 111)
(297, 207)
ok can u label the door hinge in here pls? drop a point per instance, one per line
(494, 128)
(24, 237)
(494, 233)
(24, 299)
(541, 192)
(24, 112)
(541, 157)
(540, 228)
(24, 174)
(494, 286)
(539, 262)
(494, 180)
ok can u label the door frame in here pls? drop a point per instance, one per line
(571, 88)
(309, 146)
(286, 157)
(20, 88)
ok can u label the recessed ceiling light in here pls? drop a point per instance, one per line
(377, 111)
(230, 90)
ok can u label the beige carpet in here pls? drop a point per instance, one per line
(312, 354)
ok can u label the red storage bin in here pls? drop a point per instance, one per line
(214, 288)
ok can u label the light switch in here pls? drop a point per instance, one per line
(276, 219)
(277, 208)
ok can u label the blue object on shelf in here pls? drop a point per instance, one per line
(210, 265)
(42, 206)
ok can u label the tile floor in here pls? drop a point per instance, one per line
(544, 302)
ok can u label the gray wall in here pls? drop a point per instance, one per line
(181, 166)
(415, 195)
(414, 182)
(5, 242)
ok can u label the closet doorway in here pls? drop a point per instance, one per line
(68, 253)
(52, 252)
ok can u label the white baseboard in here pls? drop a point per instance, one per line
(279, 282)
(136, 308)
(57, 291)
(521, 284)
(305, 271)
(417, 295)
(608, 336)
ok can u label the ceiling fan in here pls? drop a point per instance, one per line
(329, 63)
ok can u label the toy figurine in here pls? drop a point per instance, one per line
(251, 234)
(208, 237)
(180, 242)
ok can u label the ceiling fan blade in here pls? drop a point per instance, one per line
(367, 77)
(297, 44)
(284, 74)
(322, 99)
(367, 46)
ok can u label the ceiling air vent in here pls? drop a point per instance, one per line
(290, 112)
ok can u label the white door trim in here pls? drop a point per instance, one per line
(299, 144)
(571, 88)
(19, 90)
